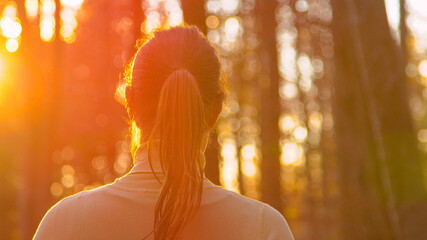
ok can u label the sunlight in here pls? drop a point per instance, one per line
(300, 134)
(306, 71)
(288, 91)
(99, 162)
(317, 65)
(1, 74)
(68, 179)
(122, 163)
(418, 5)
(286, 123)
(315, 120)
(291, 153)
(10, 28)
(275, 138)
(248, 153)
(10, 10)
(174, 11)
(73, 4)
(228, 150)
(301, 6)
(152, 22)
(136, 133)
(393, 15)
(67, 169)
(422, 135)
(69, 19)
(56, 189)
(12, 45)
(47, 28)
(304, 66)
(229, 166)
(155, 18)
(213, 6)
(229, 6)
(48, 7)
(225, 30)
(32, 9)
(249, 168)
(212, 21)
(287, 54)
(47, 20)
(232, 28)
(422, 68)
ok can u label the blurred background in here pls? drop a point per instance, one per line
(326, 120)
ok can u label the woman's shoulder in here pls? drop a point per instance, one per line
(264, 210)
(80, 202)
(274, 225)
(269, 223)
(235, 198)
(235, 204)
(67, 210)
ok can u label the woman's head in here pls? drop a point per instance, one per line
(178, 49)
(174, 94)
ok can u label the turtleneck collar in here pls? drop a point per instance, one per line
(141, 177)
(141, 162)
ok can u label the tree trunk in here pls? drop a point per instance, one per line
(194, 13)
(270, 105)
(42, 64)
(377, 148)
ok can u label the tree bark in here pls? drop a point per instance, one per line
(377, 148)
(36, 167)
(270, 104)
(194, 13)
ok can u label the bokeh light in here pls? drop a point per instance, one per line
(12, 45)
(80, 140)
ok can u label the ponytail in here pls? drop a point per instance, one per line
(173, 90)
(180, 128)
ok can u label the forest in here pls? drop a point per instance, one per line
(326, 119)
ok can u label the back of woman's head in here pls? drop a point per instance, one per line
(172, 90)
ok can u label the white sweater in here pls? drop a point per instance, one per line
(125, 210)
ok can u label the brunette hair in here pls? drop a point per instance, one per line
(173, 82)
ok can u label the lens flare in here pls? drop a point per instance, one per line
(12, 45)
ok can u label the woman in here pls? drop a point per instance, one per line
(174, 94)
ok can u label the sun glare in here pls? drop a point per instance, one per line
(155, 18)
(1, 69)
(276, 138)
(32, 9)
(10, 27)
(292, 153)
(286, 123)
(229, 166)
(248, 153)
(12, 45)
(69, 19)
(300, 134)
(422, 68)
(47, 20)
